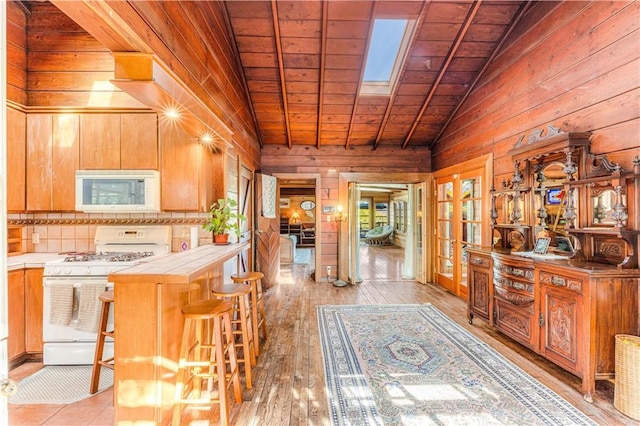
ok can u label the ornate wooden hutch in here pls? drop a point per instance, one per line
(562, 274)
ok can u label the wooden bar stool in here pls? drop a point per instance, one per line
(238, 294)
(107, 299)
(205, 355)
(257, 303)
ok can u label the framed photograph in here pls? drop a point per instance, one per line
(285, 203)
(328, 209)
(542, 245)
(564, 245)
(554, 196)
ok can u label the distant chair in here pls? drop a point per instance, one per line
(379, 236)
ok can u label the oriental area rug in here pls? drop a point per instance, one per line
(412, 365)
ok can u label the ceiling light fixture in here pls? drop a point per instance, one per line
(207, 139)
(172, 113)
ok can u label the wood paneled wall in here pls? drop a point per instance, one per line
(574, 65)
(67, 67)
(192, 40)
(329, 162)
(16, 53)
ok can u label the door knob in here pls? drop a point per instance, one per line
(8, 388)
(259, 231)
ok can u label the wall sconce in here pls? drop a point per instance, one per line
(295, 217)
(340, 216)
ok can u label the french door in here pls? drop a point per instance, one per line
(459, 205)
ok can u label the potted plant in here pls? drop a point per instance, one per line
(223, 219)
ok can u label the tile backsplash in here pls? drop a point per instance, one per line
(69, 232)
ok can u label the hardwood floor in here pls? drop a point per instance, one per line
(289, 378)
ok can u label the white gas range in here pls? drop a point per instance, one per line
(69, 313)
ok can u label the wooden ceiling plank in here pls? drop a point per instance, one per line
(454, 48)
(283, 85)
(383, 124)
(323, 54)
(518, 17)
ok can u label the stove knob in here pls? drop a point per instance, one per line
(87, 270)
(55, 271)
(67, 271)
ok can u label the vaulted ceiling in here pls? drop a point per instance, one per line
(300, 63)
(303, 65)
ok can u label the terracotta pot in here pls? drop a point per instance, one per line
(221, 239)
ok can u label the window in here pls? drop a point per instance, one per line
(387, 50)
(364, 215)
(381, 214)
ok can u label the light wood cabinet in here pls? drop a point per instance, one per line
(100, 141)
(480, 285)
(25, 295)
(59, 144)
(192, 176)
(33, 292)
(16, 160)
(139, 141)
(16, 317)
(52, 140)
(119, 141)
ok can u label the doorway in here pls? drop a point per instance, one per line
(300, 199)
(382, 231)
(349, 240)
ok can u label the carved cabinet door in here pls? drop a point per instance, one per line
(479, 282)
(561, 319)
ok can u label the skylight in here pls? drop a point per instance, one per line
(387, 49)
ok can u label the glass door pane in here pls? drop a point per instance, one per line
(421, 261)
(364, 215)
(458, 227)
(444, 235)
(470, 223)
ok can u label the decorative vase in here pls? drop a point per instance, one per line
(221, 239)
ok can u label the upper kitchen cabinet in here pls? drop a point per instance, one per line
(139, 141)
(53, 156)
(188, 171)
(16, 152)
(116, 141)
(100, 147)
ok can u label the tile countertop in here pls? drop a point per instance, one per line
(31, 260)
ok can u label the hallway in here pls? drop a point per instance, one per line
(381, 262)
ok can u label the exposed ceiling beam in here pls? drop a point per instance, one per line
(323, 54)
(521, 12)
(245, 86)
(387, 111)
(443, 69)
(283, 86)
(104, 24)
(142, 77)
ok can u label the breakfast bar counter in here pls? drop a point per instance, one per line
(149, 298)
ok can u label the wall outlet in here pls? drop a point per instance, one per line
(328, 271)
(35, 238)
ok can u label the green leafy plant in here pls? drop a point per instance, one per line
(223, 218)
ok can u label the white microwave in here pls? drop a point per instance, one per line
(124, 191)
